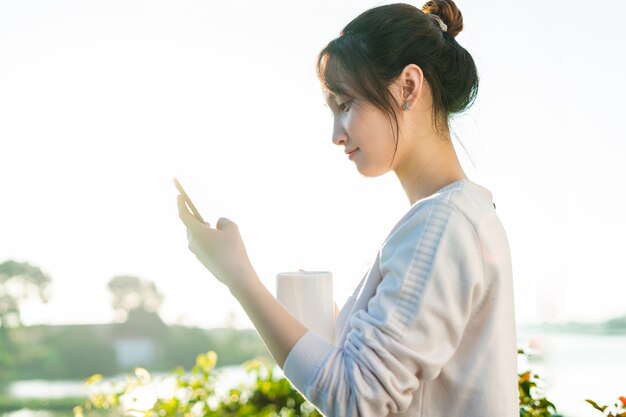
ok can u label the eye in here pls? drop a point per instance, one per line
(345, 106)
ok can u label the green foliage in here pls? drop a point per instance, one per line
(617, 323)
(50, 404)
(62, 352)
(617, 410)
(194, 394)
(7, 357)
(231, 345)
(130, 293)
(184, 343)
(532, 401)
(77, 351)
(19, 281)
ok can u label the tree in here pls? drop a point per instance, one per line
(19, 281)
(131, 293)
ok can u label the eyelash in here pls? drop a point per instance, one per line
(346, 104)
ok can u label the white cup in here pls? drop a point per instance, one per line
(308, 295)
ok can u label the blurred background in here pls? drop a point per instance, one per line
(102, 103)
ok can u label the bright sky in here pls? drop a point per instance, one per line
(103, 102)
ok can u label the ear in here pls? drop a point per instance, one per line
(410, 82)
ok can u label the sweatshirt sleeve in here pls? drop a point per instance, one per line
(431, 282)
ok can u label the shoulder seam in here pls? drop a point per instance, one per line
(482, 260)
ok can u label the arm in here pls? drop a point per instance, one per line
(431, 281)
(222, 251)
(431, 275)
(278, 328)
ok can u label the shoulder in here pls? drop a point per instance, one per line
(456, 213)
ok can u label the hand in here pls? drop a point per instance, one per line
(220, 250)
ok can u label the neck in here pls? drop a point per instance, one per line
(427, 168)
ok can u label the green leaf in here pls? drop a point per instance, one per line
(596, 406)
(93, 379)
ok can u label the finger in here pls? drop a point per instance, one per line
(184, 213)
(192, 246)
(223, 223)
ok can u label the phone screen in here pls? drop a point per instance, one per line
(193, 209)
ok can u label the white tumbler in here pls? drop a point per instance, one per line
(308, 295)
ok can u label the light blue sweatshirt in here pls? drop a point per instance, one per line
(430, 330)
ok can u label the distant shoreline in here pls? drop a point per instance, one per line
(615, 327)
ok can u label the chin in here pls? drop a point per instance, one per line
(372, 172)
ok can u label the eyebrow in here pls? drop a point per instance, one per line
(328, 98)
(332, 97)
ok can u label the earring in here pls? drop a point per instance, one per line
(406, 106)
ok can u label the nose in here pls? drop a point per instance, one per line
(339, 133)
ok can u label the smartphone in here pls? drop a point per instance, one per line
(193, 209)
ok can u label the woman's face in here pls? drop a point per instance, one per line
(359, 125)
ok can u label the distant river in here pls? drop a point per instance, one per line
(574, 367)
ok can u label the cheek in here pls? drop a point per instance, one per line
(358, 125)
(371, 127)
(352, 122)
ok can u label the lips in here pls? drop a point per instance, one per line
(351, 155)
(349, 152)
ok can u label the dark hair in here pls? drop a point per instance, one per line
(374, 48)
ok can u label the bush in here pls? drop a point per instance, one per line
(531, 399)
(617, 410)
(194, 394)
(50, 404)
(75, 350)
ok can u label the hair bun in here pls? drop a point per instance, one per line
(448, 12)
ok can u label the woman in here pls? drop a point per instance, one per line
(430, 330)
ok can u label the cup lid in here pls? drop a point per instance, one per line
(304, 273)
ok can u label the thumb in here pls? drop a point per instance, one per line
(223, 223)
